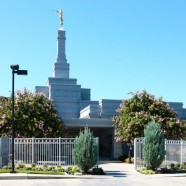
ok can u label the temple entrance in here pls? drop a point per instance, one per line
(106, 140)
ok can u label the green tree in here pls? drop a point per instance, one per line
(85, 151)
(35, 116)
(2, 99)
(135, 113)
(154, 146)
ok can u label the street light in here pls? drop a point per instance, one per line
(15, 70)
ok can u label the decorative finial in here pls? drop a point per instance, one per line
(60, 12)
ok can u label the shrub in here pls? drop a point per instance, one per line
(146, 171)
(60, 169)
(33, 165)
(85, 151)
(50, 168)
(177, 166)
(28, 168)
(45, 166)
(20, 166)
(167, 171)
(97, 171)
(69, 170)
(75, 169)
(172, 165)
(37, 168)
(183, 165)
(154, 146)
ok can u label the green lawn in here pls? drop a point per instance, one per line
(32, 172)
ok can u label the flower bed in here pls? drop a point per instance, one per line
(52, 170)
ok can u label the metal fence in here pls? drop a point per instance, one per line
(175, 152)
(51, 151)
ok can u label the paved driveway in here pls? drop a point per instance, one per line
(117, 174)
(124, 174)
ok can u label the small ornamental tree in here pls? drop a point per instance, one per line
(154, 146)
(85, 151)
(35, 116)
(135, 113)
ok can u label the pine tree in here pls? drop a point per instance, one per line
(154, 146)
(85, 151)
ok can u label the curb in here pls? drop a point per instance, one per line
(23, 176)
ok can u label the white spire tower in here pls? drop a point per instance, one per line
(61, 67)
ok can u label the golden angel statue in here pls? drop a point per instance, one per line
(60, 12)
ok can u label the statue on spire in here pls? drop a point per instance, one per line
(60, 12)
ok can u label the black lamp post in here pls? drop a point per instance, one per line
(15, 70)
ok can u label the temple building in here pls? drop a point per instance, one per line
(77, 110)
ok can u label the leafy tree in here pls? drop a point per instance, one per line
(135, 113)
(2, 99)
(154, 146)
(35, 116)
(85, 151)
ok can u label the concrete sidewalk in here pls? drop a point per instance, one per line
(124, 169)
(118, 169)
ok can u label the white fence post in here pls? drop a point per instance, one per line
(32, 150)
(165, 151)
(181, 152)
(59, 151)
(135, 154)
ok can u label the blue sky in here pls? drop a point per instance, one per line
(113, 46)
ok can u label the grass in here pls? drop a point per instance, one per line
(5, 170)
(162, 171)
(146, 171)
(32, 172)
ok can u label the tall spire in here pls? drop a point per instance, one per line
(61, 67)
